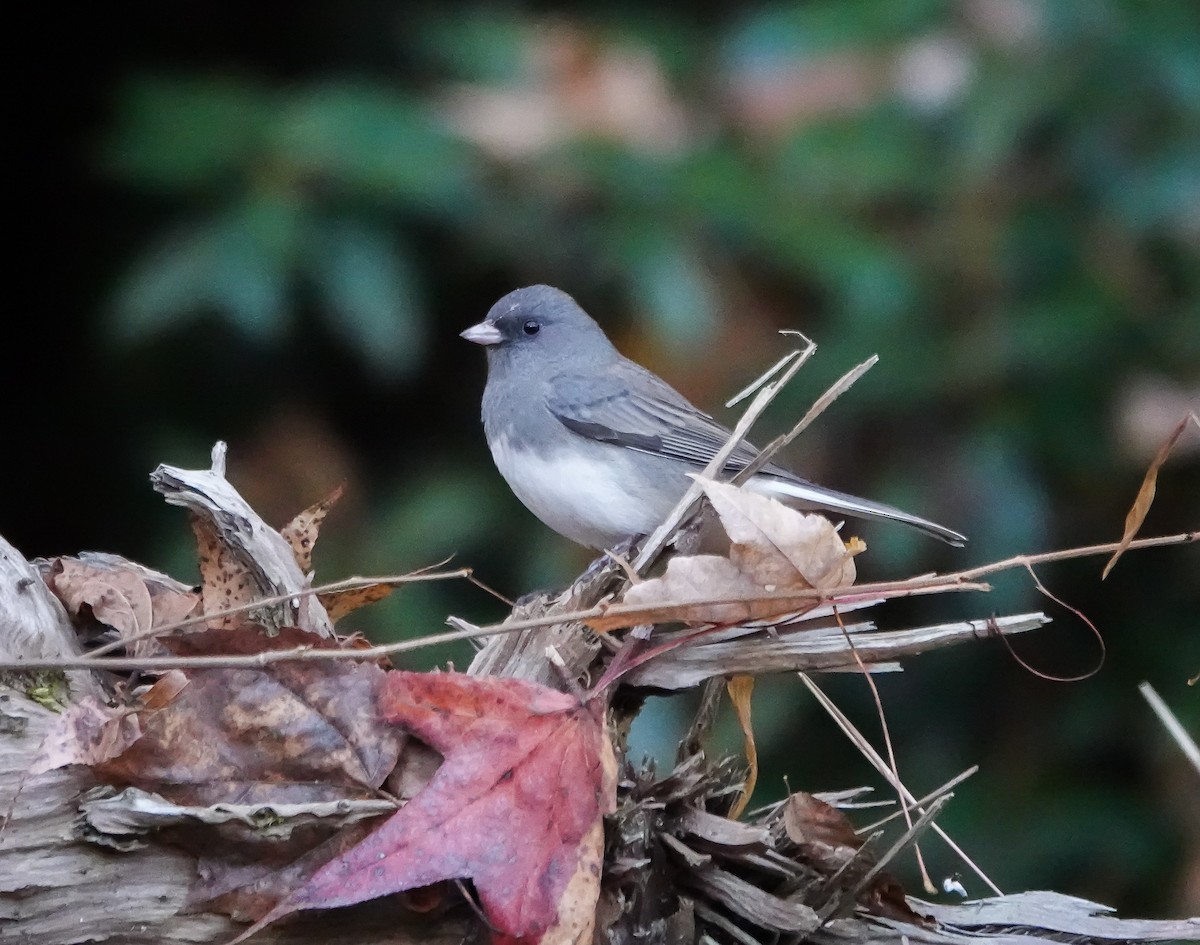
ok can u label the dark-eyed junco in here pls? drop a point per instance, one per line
(598, 447)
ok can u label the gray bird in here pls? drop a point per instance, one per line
(598, 447)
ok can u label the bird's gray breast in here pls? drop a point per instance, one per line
(594, 493)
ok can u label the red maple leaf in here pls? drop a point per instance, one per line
(517, 806)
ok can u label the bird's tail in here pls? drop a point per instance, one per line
(808, 495)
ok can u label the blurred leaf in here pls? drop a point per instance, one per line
(490, 45)
(174, 134)
(375, 144)
(1004, 102)
(797, 30)
(852, 159)
(1062, 333)
(236, 265)
(1165, 192)
(667, 276)
(371, 293)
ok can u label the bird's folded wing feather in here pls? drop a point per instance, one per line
(630, 407)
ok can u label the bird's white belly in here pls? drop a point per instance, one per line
(594, 495)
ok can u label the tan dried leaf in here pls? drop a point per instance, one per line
(777, 546)
(116, 597)
(1145, 497)
(301, 532)
(741, 688)
(339, 603)
(126, 596)
(224, 581)
(699, 579)
(699, 589)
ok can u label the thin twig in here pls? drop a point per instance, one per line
(923, 823)
(879, 765)
(1172, 724)
(887, 744)
(764, 377)
(658, 539)
(1066, 554)
(921, 802)
(956, 581)
(839, 387)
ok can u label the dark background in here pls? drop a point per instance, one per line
(268, 225)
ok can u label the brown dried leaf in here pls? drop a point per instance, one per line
(821, 831)
(164, 691)
(339, 603)
(292, 731)
(87, 732)
(286, 733)
(1145, 497)
(224, 581)
(128, 597)
(827, 840)
(700, 589)
(777, 546)
(301, 532)
(741, 688)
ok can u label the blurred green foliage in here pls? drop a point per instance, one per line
(281, 227)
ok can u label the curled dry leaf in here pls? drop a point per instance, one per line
(825, 838)
(301, 532)
(517, 807)
(128, 597)
(741, 688)
(775, 550)
(777, 546)
(1145, 498)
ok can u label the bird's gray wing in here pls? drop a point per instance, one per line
(628, 406)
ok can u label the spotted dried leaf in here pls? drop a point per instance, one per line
(301, 532)
(87, 732)
(225, 584)
(287, 731)
(339, 603)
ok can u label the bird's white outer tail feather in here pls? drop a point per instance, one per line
(809, 495)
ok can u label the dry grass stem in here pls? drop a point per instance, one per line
(658, 539)
(879, 765)
(1172, 724)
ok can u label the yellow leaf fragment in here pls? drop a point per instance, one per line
(1145, 497)
(741, 688)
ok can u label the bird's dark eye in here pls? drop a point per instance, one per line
(531, 327)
